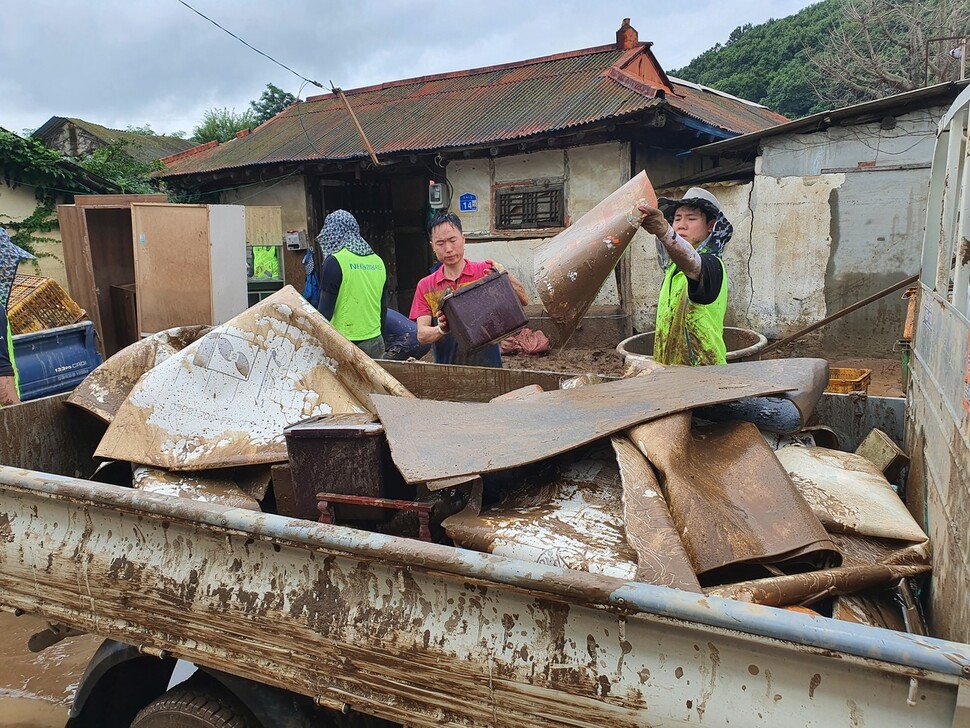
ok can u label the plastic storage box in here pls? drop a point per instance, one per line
(345, 454)
(843, 380)
(484, 312)
(55, 360)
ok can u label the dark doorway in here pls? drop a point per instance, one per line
(391, 211)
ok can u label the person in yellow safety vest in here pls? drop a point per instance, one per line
(9, 388)
(353, 285)
(691, 235)
(266, 262)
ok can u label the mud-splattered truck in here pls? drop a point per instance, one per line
(287, 622)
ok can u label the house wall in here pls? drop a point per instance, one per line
(16, 203)
(290, 196)
(589, 173)
(74, 142)
(839, 214)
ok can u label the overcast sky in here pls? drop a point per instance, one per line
(155, 62)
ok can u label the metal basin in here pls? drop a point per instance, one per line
(742, 345)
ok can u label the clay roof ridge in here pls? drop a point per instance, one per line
(189, 152)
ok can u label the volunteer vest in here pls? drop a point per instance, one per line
(16, 377)
(688, 332)
(357, 314)
(266, 264)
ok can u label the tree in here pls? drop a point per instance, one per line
(272, 101)
(881, 47)
(115, 163)
(222, 125)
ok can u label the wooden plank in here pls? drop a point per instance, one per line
(458, 383)
(45, 434)
(172, 265)
(264, 225)
(432, 440)
(77, 263)
(116, 200)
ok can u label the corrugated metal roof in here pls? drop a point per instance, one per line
(942, 94)
(467, 109)
(142, 147)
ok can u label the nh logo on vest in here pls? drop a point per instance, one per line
(364, 266)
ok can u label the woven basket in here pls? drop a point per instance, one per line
(38, 303)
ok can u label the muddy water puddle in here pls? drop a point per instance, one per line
(36, 689)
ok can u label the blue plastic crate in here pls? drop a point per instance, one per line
(55, 360)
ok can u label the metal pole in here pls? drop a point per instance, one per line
(839, 314)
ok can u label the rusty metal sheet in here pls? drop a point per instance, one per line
(574, 521)
(570, 268)
(650, 530)
(780, 591)
(849, 494)
(105, 389)
(224, 400)
(208, 487)
(730, 498)
(433, 440)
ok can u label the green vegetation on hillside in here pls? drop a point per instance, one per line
(834, 53)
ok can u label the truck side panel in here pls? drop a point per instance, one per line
(938, 418)
(430, 635)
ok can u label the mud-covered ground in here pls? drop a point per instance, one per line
(886, 378)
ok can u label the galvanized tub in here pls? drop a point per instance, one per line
(742, 345)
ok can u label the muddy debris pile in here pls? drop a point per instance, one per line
(702, 479)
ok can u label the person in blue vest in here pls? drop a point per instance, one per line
(353, 283)
(8, 373)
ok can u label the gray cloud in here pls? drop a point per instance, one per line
(136, 62)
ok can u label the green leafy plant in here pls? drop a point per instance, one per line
(221, 125)
(115, 163)
(272, 101)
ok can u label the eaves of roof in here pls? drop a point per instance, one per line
(748, 143)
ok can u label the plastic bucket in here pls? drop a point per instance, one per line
(742, 345)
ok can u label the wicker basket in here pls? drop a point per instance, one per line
(38, 303)
(843, 380)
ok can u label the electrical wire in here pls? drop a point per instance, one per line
(281, 65)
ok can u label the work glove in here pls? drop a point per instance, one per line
(654, 221)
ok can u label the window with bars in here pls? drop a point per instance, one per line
(524, 208)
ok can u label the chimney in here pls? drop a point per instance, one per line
(626, 36)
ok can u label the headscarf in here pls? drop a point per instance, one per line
(714, 244)
(340, 230)
(10, 257)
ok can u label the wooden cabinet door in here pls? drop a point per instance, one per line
(173, 267)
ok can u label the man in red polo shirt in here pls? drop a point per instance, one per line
(448, 244)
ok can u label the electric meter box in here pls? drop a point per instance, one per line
(295, 240)
(436, 195)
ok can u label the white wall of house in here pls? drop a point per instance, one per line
(16, 203)
(289, 195)
(832, 217)
(588, 174)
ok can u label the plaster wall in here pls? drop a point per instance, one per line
(290, 196)
(588, 173)
(16, 203)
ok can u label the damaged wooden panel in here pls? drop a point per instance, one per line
(432, 440)
(574, 521)
(429, 635)
(240, 489)
(105, 389)
(849, 494)
(650, 530)
(732, 501)
(224, 400)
